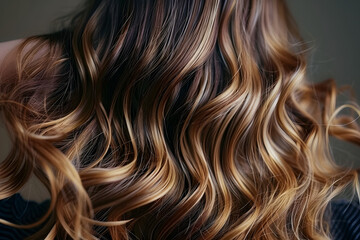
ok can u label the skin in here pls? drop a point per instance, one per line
(5, 49)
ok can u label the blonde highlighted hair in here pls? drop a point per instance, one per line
(176, 119)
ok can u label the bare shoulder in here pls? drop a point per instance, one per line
(8, 46)
(7, 55)
(9, 50)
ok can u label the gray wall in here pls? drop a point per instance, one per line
(22, 18)
(332, 27)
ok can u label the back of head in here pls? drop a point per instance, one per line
(176, 119)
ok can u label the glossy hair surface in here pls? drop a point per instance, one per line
(176, 119)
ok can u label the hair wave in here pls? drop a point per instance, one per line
(173, 120)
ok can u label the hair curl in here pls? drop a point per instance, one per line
(176, 119)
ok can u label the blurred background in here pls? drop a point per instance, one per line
(330, 27)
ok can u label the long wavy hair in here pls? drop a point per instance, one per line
(176, 120)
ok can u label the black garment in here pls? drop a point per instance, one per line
(17, 210)
(345, 221)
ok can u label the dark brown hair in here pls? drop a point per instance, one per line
(176, 119)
